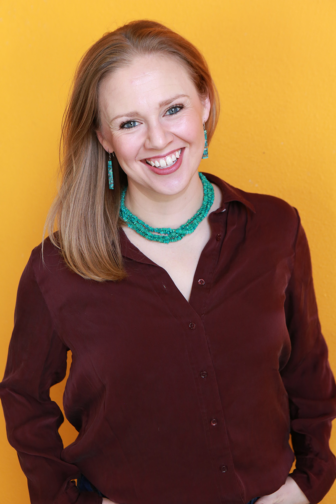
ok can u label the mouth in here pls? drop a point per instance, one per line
(164, 162)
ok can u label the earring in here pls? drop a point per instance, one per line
(205, 152)
(110, 172)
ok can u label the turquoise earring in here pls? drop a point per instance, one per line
(205, 152)
(110, 172)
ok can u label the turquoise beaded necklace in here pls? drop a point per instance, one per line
(168, 235)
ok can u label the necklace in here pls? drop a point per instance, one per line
(168, 235)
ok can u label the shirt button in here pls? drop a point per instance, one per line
(223, 468)
(192, 325)
(214, 422)
(201, 281)
(219, 237)
(203, 374)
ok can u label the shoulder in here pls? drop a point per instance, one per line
(274, 219)
(268, 219)
(268, 207)
(265, 211)
(45, 253)
(36, 270)
(46, 263)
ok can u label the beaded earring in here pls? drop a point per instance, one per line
(110, 172)
(205, 152)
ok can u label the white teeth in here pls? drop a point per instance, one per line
(165, 162)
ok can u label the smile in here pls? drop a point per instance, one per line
(165, 162)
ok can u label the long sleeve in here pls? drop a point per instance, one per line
(309, 382)
(36, 361)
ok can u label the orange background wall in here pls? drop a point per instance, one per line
(274, 63)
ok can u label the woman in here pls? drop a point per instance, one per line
(188, 306)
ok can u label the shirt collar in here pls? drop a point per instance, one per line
(230, 193)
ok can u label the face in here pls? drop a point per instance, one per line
(152, 119)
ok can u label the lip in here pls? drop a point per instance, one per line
(170, 169)
(162, 155)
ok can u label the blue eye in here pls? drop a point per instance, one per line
(174, 110)
(128, 124)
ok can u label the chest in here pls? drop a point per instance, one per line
(178, 259)
(142, 337)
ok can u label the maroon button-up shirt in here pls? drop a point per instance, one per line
(177, 402)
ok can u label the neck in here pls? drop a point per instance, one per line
(162, 210)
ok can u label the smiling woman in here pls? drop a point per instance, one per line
(167, 121)
(127, 77)
(188, 306)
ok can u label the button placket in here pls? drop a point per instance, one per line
(198, 347)
(219, 445)
(214, 424)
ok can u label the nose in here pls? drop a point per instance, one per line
(157, 136)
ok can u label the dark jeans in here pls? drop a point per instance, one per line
(84, 485)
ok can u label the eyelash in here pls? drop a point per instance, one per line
(123, 125)
(178, 106)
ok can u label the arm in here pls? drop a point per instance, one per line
(309, 382)
(36, 361)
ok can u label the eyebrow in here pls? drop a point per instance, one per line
(161, 104)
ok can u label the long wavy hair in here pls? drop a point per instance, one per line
(85, 213)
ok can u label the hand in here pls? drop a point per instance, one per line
(107, 501)
(289, 493)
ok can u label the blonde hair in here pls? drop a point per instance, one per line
(86, 212)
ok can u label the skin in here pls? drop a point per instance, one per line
(149, 109)
(155, 130)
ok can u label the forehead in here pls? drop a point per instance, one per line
(148, 79)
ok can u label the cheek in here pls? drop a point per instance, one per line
(125, 147)
(191, 130)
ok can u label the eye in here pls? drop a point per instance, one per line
(174, 110)
(128, 124)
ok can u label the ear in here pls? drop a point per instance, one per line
(105, 143)
(206, 108)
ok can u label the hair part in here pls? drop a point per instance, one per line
(85, 212)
